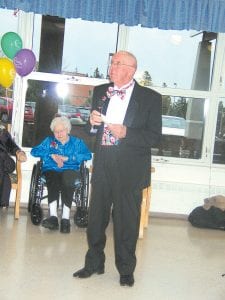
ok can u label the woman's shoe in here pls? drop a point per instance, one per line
(65, 226)
(51, 223)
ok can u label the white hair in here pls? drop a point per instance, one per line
(61, 120)
(130, 55)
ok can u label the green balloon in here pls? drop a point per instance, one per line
(11, 43)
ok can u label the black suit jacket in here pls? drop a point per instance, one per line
(144, 126)
(7, 143)
(7, 165)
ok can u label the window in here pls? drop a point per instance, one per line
(166, 58)
(48, 99)
(169, 58)
(177, 59)
(182, 127)
(86, 48)
(219, 143)
(9, 22)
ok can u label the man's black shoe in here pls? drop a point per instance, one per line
(51, 223)
(85, 273)
(127, 280)
(65, 226)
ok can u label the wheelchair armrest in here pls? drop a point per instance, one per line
(83, 166)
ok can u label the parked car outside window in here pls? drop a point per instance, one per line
(85, 112)
(172, 125)
(71, 112)
(6, 107)
(28, 113)
(32, 104)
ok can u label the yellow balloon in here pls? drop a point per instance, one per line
(7, 72)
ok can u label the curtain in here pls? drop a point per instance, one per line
(207, 15)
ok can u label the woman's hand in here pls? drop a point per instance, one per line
(59, 159)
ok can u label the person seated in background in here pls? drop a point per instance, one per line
(62, 155)
(7, 164)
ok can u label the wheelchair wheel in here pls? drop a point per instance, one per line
(85, 187)
(32, 187)
(35, 195)
(36, 214)
(81, 217)
(81, 214)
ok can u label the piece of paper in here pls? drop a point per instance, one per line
(104, 119)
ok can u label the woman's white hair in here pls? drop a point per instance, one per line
(62, 121)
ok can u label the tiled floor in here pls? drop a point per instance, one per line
(175, 261)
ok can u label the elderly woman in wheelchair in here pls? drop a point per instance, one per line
(62, 156)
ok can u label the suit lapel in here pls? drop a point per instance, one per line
(132, 107)
(105, 106)
(106, 102)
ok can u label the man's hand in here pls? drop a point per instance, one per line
(95, 118)
(118, 130)
(21, 155)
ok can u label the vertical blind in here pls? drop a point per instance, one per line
(207, 15)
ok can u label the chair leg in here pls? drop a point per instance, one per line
(147, 207)
(17, 203)
(143, 213)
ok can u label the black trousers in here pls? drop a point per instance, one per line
(61, 182)
(7, 165)
(108, 196)
(5, 189)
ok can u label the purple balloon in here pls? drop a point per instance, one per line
(24, 62)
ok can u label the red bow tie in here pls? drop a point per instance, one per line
(121, 93)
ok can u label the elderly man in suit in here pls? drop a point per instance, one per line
(7, 165)
(127, 120)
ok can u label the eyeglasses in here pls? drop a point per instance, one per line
(59, 131)
(119, 64)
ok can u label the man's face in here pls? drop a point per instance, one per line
(122, 69)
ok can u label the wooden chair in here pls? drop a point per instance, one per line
(16, 181)
(145, 205)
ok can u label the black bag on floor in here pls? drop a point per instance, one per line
(213, 217)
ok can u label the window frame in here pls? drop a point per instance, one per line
(217, 90)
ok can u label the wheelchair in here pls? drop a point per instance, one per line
(80, 195)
